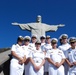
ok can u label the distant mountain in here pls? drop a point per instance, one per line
(4, 49)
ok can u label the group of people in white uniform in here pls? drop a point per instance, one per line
(43, 57)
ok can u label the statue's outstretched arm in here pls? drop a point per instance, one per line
(61, 25)
(53, 27)
(15, 23)
(22, 26)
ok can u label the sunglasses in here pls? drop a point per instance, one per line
(72, 42)
(26, 40)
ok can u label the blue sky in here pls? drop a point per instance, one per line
(53, 12)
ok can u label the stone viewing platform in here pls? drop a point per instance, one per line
(4, 61)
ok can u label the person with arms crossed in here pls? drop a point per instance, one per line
(37, 59)
(18, 58)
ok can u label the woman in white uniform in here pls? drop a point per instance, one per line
(27, 40)
(37, 61)
(71, 56)
(18, 58)
(55, 58)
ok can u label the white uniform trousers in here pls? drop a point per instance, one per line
(16, 69)
(72, 71)
(46, 66)
(27, 69)
(56, 71)
(32, 71)
(66, 68)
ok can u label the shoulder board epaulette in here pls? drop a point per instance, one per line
(59, 52)
(51, 52)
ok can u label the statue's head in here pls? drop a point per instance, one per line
(39, 19)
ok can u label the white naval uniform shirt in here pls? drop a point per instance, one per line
(28, 50)
(56, 55)
(47, 47)
(32, 46)
(42, 45)
(37, 56)
(71, 55)
(25, 48)
(18, 50)
(64, 47)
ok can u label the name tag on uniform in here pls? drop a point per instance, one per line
(36, 61)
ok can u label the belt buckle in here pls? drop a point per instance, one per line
(36, 61)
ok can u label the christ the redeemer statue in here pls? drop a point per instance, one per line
(38, 27)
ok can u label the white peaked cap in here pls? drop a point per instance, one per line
(34, 35)
(54, 40)
(48, 36)
(43, 36)
(27, 37)
(63, 36)
(20, 36)
(72, 39)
